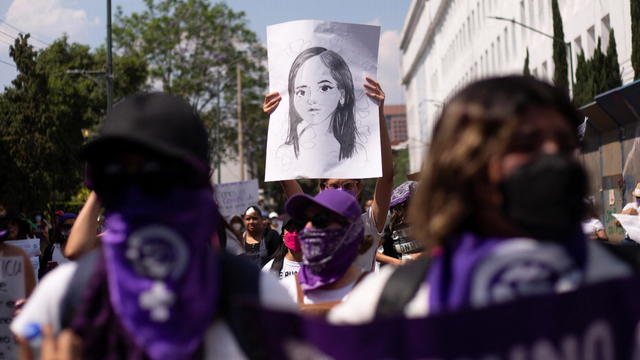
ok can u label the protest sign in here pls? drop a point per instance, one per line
(631, 224)
(234, 198)
(325, 125)
(12, 288)
(600, 321)
(32, 248)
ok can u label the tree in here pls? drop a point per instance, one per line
(43, 115)
(194, 50)
(614, 78)
(582, 92)
(635, 37)
(560, 72)
(525, 70)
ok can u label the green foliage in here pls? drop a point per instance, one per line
(194, 49)
(560, 72)
(43, 115)
(400, 166)
(526, 71)
(598, 74)
(635, 37)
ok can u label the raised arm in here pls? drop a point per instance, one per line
(269, 105)
(83, 237)
(384, 185)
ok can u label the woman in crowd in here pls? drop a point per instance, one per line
(53, 254)
(498, 207)
(259, 240)
(330, 241)
(288, 258)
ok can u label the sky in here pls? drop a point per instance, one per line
(84, 21)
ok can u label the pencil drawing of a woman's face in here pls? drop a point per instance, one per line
(316, 94)
(321, 92)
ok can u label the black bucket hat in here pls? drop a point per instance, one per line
(163, 123)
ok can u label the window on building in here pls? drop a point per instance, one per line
(591, 40)
(506, 45)
(522, 20)
(513, 39)
(577, 46)
(499, 53)
(545, 74)
(605, 29)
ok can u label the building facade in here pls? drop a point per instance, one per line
(396, 120)
(446, 44)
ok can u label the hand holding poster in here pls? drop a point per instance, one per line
(325, 125)
(234, 198)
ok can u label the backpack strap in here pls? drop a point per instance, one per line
(401, 287)
(240, 285)
(85, 268)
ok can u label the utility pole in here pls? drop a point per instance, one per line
(240, 125)
(109, 61)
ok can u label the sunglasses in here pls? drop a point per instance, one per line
(349, 186)
(323, 219)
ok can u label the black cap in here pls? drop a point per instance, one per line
(161, 122)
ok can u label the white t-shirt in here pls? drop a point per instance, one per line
(318, 295)
(57, 255)
(43, 307)
(591, 226)
(361, 304)
(288, 267)
(631, 205)
(366, 261)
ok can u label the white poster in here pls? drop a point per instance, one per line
(631, 224)
(32, 248)
(325, 126)
(234, 198)
(12, 288)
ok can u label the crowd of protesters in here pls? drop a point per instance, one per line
(498, 214)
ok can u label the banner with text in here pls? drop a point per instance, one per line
(12, 288)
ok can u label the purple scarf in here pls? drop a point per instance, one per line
(161, 269)
(327, 254)
(450, 276)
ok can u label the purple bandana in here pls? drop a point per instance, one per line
(161, 270)
(327, 254)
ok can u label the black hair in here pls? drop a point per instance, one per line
(343, 123)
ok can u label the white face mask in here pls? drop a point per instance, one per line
(236, 226)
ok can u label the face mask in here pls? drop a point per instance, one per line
(236, 226)
(327, 254)
(544, 197)
(291, 241)
(161, 269)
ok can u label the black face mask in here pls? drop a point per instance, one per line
(545, 197)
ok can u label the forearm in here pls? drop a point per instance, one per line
(388, 259)
(290, 188)
(83, 237)
(384, 185)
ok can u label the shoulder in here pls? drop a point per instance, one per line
(274, 295)
(267, 266)
(43, 307)
(631, 205)
(289, 284)
(360, 306)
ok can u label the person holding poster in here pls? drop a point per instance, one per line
(17, 280)
(498, 208)
(156, 288)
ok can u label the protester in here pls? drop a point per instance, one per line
(330, 242)
(16, 226)
(631, 208)
(591, 225)
(229, 239)
(498, 208)
(53, 255)
(260, 242)
(288, 258)
(10, 229)
(157, 289)
(237, 224)
(397, 242)
(375, 218)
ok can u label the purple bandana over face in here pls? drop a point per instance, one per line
(327, 254)
(161, 268)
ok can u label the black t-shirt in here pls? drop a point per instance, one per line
(261, 252)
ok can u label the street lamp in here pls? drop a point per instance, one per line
(567, 43)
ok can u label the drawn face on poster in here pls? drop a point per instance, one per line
(321, 95)
(325, 126)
